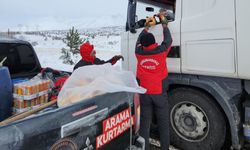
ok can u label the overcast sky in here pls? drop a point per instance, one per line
(21, 13)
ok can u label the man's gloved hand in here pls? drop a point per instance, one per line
(114, 59)
(150, 21)
(163, 19)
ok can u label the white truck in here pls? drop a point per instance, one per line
(209, 69)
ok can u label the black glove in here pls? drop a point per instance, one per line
(114, 59)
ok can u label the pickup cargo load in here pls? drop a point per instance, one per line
(109, 121)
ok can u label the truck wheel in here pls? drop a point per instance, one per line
(196, 121)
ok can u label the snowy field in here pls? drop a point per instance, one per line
(48, 45)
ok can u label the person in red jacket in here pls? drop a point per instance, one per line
(89, 57)
(152, 74)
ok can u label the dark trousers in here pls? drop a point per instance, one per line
(158, 105)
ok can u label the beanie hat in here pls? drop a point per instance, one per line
(147, 39)
(85, 51)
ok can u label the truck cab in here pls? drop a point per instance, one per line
(208, 73)
(21, 58)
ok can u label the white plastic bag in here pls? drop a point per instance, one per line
(89, 81)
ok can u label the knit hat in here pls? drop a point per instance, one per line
(85, 51)
(147, 39)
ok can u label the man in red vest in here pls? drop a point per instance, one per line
(152, 74)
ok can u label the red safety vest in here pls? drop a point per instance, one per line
(152, 69)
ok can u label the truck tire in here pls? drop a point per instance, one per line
(196, 122)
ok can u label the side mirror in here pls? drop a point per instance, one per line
(150, 9)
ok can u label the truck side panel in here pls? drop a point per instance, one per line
(208, 38)
(243, 32)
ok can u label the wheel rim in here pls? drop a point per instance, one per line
(189, 121)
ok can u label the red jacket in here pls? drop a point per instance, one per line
(151, 64)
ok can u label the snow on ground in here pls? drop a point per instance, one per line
(48, 45)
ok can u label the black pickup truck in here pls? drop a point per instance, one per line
(109, 121)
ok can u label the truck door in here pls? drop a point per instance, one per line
(208, 37)
(129, 38)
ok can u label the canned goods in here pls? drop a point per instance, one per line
(33, 89)
(46, 98)
(19, 104)
(20, 90)
(29, 90)
(40, 86)
(25, 103)
(15, 89)
(30, 94)
(15, 103)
